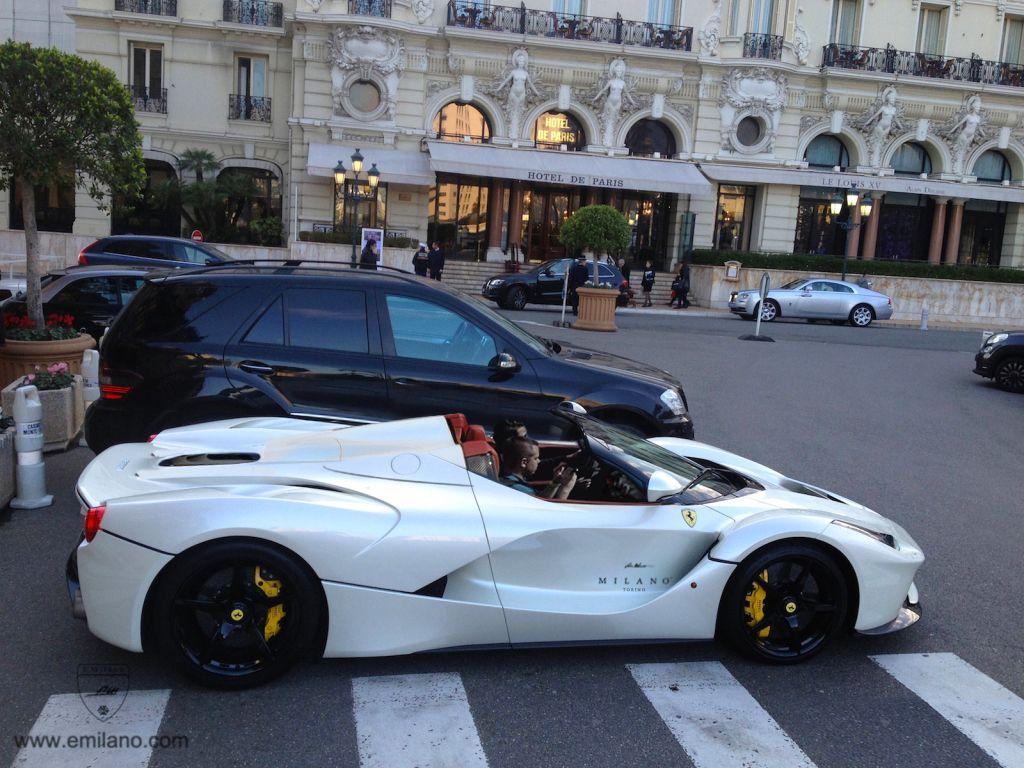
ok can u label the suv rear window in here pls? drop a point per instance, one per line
(144, 249)
(161, 310)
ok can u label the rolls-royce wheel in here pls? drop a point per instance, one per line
(769, 311)
(784, 603)
(861, 316)
(235, 614)
(1010, 374)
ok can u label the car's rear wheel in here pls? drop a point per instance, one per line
(235, 614)
(784, 603)
(769, 311)
(516, 297)
(861, 316)
(1010, 374)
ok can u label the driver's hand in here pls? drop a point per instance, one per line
(564, 477)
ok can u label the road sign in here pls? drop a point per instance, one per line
(197, 236)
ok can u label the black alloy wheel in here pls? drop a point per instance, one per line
(1010, 374)
(516, 297)
(235, 614)
(784, 603)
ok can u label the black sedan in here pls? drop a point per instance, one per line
(541, 285)
(1001, 358)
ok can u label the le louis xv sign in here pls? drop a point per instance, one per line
(575, 180)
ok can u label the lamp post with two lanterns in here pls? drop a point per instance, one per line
(853, 199)
(356, 195)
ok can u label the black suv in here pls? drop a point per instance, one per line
(151, 251)
(1001, 358)
(348, 345)
(542, 284)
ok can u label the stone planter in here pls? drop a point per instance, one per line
(7, 463)
(19, 358)
(597, 309)
(63, 412)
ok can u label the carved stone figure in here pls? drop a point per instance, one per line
(879, 121)
(315, 4)
(710, 33)
(366, 53)
(522, 86)
(612, 94)
(965, 129)
(801, 41)
(759, 93)
(423, 10)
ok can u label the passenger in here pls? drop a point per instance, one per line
(506, 429)
(520, 457)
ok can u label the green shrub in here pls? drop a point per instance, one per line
(267, 232)
(882, 267)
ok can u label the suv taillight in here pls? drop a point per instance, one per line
(114, 385)
(83, 258)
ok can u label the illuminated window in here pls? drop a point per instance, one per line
(555, 129)
(457, 122)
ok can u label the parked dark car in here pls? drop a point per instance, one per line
(1001, 358)
(349, 345)
(93, 296)
(151, 251)
(542, 284)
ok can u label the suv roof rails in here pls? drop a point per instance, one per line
(268, 264)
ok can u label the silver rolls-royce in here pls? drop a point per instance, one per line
(815, 299)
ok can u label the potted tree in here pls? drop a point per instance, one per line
(601, 230)
(60, 114)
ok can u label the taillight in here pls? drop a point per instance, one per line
(152, 437)
(82, 261)
(113, 384)
(93, 518)
(113, 391)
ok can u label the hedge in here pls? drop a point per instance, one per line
(813, 263)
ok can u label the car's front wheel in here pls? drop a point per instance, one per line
(235, 614)
(769, 311)
(784, 603)
(1010, 374)
(516, 297)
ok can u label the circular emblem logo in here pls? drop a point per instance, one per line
(237, 615)
(790, 607)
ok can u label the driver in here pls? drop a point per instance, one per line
(520, 457)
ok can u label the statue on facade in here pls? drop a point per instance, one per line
(423, 10)
(521, 85)
(801, 40)
(614, 92)
(710, 33)
(879, 121)
(964, 130)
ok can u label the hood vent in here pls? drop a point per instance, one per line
(210, 459)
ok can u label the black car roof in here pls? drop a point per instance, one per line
(249, 271)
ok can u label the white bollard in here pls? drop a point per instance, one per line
(90, 376)
(28, 443)
(924, 318)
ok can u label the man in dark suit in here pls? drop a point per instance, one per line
(435, 262)
(577, 279)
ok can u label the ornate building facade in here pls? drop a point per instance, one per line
(490, 124)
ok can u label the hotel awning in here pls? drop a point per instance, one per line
(570, 168)
(737, 174)
(395, 166)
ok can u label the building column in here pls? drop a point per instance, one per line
(953, 238)
(592, 196)
(495, 212)
(515, 213)
(853, 235)
(938, 227)
(871, 230)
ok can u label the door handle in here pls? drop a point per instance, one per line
(403, 382)
(806, 295)
(251, 366)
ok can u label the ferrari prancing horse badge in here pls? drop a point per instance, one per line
(690, 517)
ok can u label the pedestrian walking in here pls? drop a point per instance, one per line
(577, 279)
(368, 258)
(420, 260)
(647, 282)
(681, 287)
(435, 262)
(624, 269)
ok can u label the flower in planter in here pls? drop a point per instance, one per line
(59, 327)
(56, 376)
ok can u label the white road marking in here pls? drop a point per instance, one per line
(123, 741)
(976, 705)
(415, 720)
(715, 719)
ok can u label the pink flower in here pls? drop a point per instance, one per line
(57, 368)
(30, 378)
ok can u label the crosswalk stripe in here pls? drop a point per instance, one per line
(713, 717)
(415, 720)
(66, 734)
(980, 708)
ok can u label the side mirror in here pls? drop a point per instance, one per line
(210, 261)
(662, 484)
(547, 272)
(505, 362)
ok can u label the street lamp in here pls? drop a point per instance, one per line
(356, 195)
(853, 198)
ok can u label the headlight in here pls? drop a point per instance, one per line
(998, 338)
(671, 400)
(495, 282)
(883, 538)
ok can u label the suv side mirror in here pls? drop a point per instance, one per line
(504, 362)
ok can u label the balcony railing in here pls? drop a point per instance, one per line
(568, 26)
(895, 62)
(256, 108)
(379, 8)
(151, 100)
(757, 45)
(256, 12)
(152, 7)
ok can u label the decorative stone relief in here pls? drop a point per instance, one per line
(958, 5)
(454, 64)
(423, 10)
(1000, 10)
(613, 92)
(879, 121)
(809, 123)
(522, 89)
(710, 33)
(436, 86)
(369, 54)
(801, 40)
(315, 5)
(964, 130)
(758, 93)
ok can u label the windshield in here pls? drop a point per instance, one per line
(216, 252)
(791, 285)
(642, 456)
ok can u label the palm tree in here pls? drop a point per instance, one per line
(198, 161)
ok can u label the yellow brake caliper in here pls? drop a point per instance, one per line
(271, 588)
(754, 604)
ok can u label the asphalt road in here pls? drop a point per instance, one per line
(893, 418)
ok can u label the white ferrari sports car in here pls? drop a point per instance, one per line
(235, 547)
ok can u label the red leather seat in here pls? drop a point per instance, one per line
(459, 426)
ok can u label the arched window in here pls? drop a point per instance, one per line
(649, 137)
(456, 122)
(254, 194)
(827, 151)
(555, 129)
(911, 159)
(992, 167)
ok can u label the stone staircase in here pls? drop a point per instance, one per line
(469, 277)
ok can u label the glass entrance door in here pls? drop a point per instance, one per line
(544, 210)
